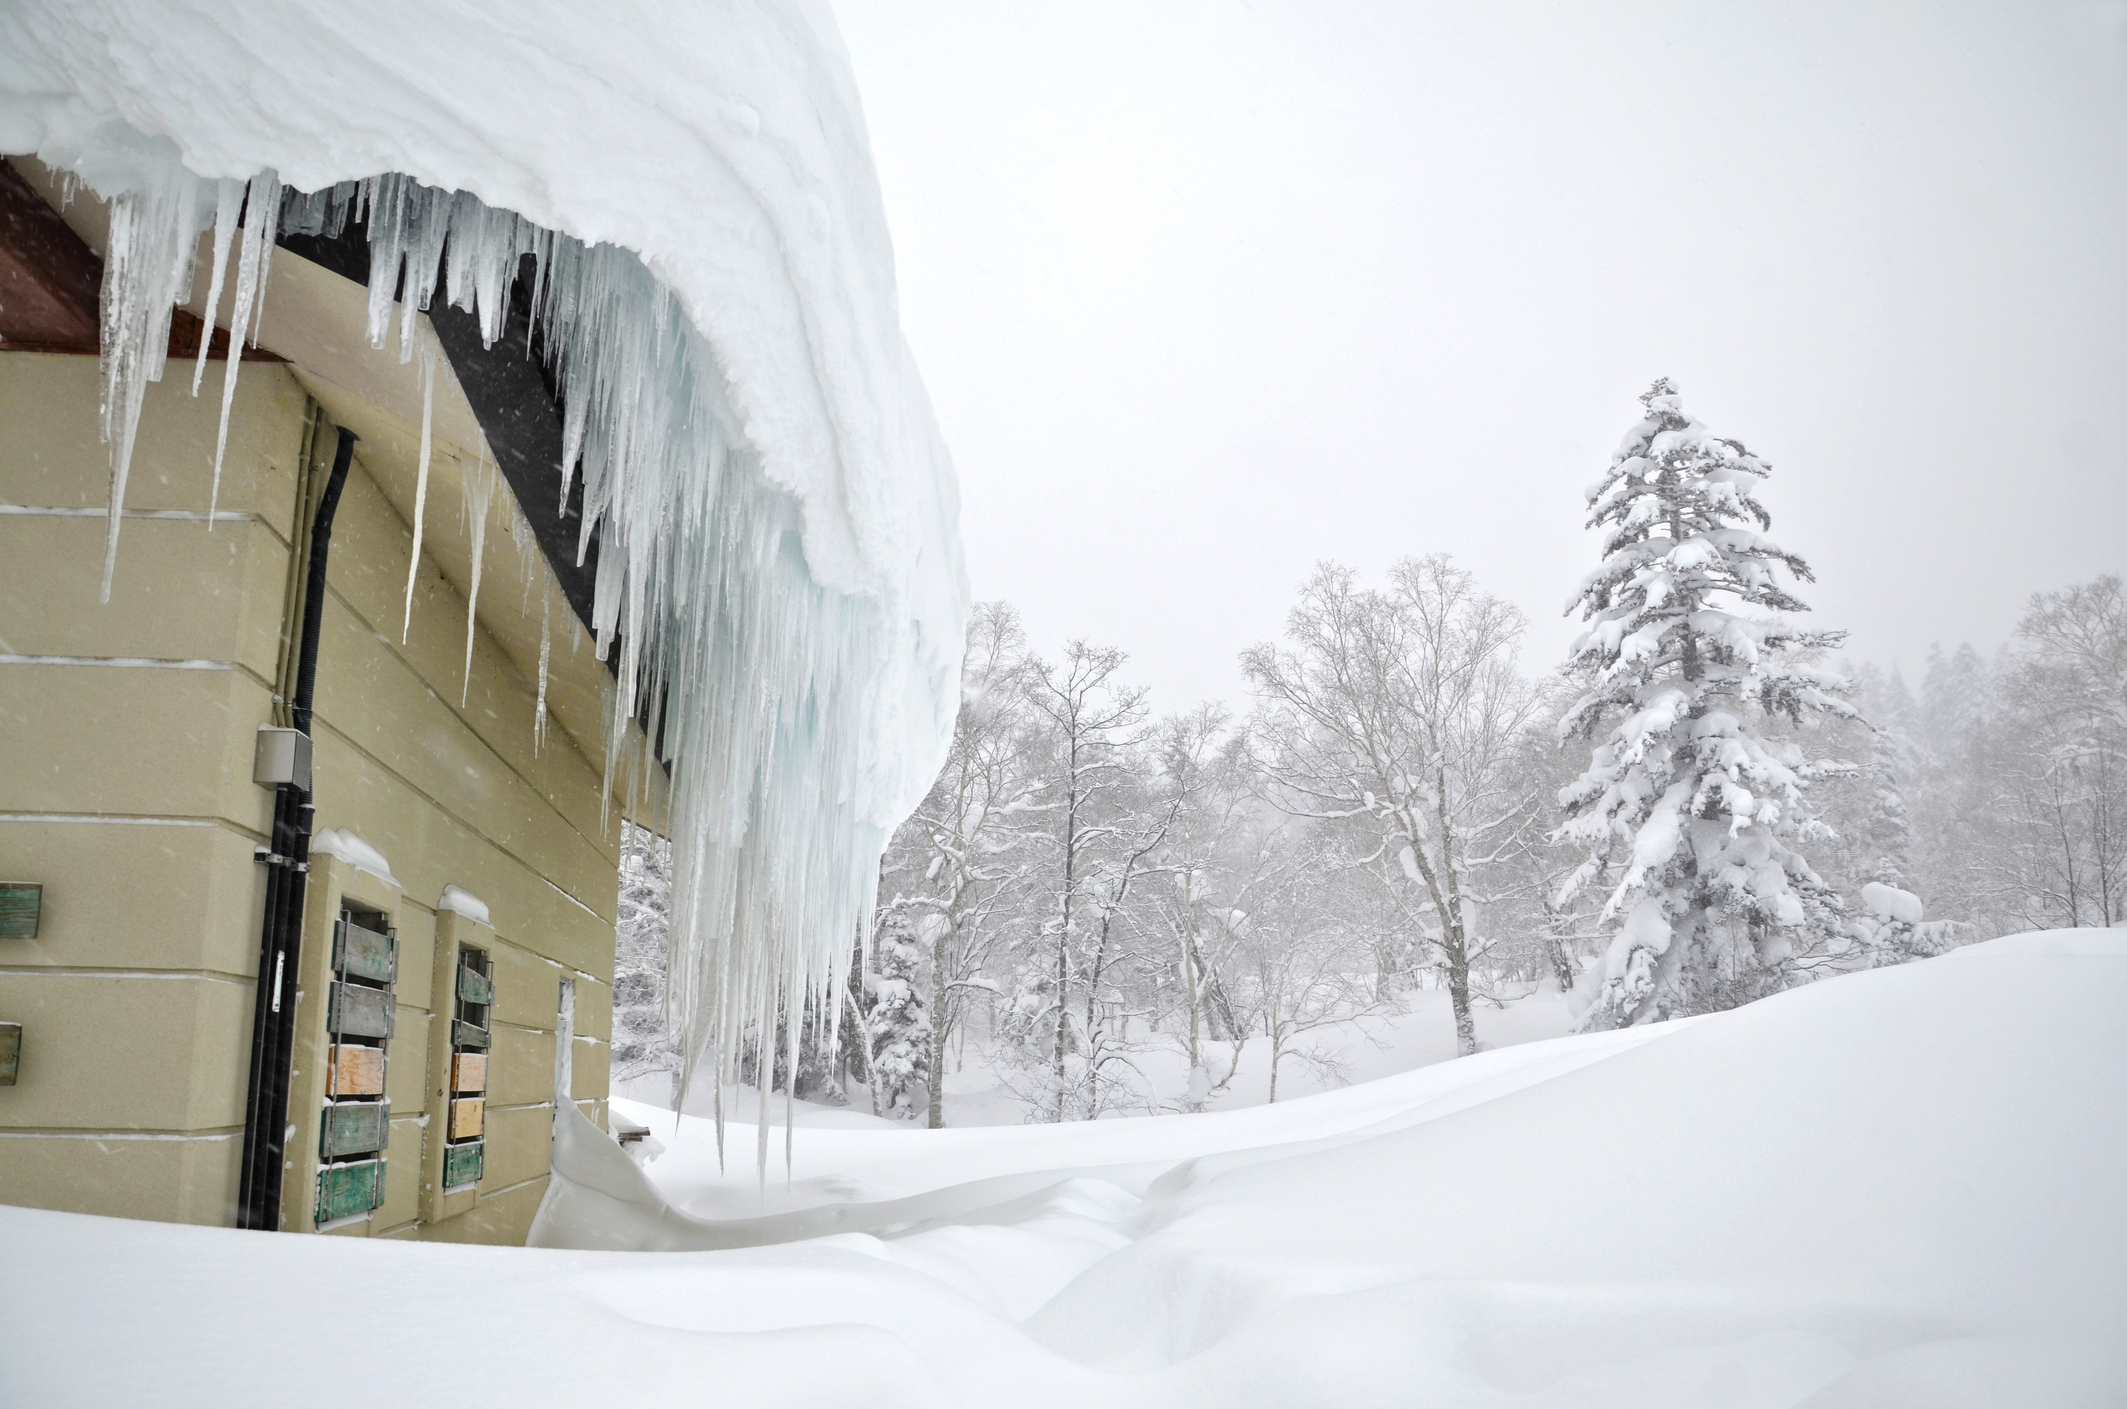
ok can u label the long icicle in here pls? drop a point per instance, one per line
(259, 221)
(546, 654)
(428, 421)
(147, 271)
(228, 208)
(479, 491)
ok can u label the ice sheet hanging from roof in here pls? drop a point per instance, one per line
(814, 617)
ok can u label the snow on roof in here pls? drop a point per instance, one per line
(779, 552)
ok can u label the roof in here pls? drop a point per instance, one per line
(776, 512)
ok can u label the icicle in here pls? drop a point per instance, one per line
(794, 1024)
(546, 654)
(479, 485)
(147, 271)
(257, 245)
(640, 769)
(714, 1066)
(762, 684)
(228, 206)
(763, 1078)
(527, 550)
(428, 419)
(607, 705)
(269, 237)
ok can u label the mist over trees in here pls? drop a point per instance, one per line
(1702, 805)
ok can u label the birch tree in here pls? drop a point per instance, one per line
(1305, 963)
(2073, 708)
(1211, 858)
(967, 853)
(1397, 710)
(1089, 720)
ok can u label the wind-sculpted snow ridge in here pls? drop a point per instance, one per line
(775, 512)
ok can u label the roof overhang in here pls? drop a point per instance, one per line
(493, 401)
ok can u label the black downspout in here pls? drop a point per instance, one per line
(287, 863)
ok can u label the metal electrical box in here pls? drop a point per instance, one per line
(283, 757)
(10, 1052)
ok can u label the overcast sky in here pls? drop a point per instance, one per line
(1204, 293)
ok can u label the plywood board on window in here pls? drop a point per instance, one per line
(469, 1073)
(467, 1118)
(355, 1071)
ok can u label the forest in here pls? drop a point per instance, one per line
(1703, 804)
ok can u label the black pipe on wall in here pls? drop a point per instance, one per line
(287, 860)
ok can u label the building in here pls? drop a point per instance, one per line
(452, 941)
(574, 466)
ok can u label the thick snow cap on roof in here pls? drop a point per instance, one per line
(722, 142)
(724, 145)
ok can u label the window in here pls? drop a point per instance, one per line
(465, 1118)
(360, 1014)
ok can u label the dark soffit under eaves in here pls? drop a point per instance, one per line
(514, 401)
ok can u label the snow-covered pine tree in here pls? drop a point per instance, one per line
(899, 1021)
(1687, 789)
(1885, 828)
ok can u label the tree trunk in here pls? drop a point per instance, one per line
(1063, 1014)
(871, 1083)
(1459, 999)
(1562, 965)
(1063, 935)
(938, 1036)
(1196, 1059)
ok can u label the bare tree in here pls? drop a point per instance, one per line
(1089, 719)
(2068, 778)
(1212, 855)
(1306, 967)
(1397, 711)
(965, 855)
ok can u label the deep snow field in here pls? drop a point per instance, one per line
(1898, 1188)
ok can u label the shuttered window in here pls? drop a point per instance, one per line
(361, 1012)
(465, 1123)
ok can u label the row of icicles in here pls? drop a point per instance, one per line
(754, 680)
(135, 344)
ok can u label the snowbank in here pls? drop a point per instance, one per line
(1896, 1188)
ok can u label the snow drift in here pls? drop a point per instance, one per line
(776, 513)
(1895, 1188)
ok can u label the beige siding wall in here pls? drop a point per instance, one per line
(126, 735)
